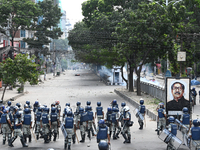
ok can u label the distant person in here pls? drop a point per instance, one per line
(178, 102)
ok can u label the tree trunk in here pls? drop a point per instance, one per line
(4, 92)
(138, 85)
(130, 79)
(123, 77)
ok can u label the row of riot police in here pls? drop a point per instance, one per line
(190, 134)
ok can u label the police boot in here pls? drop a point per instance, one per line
(73, 139)
(37, 137)
(4, 142)
(158, 131)
(117, 135)
(42, 136)
(46, 139)
(49, 136)
(110, 133)
(23, 143)
(126, 140)
(29, 138)
(142, 125)
(129, 139)
(25, 137)
(55, 135)
(69, 147)
(89, 136)
(11, 142)
(92, 131)
(114, 136)
(83, 138)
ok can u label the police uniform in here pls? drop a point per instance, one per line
(45, 119)
(38, 116)
(195, 134)
(82, 122)
(90, 121)
(108, 121)
(5, 125)
(77, 114)
(142, 112)
(172, 127)
(185, 119)
(102, 133)
(54, 124)
(126, 128)
(99, 113)
(69, 127)
(115, 125)
(161, 118)
(17, 131)
(27, 123)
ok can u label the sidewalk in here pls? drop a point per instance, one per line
(13, 94)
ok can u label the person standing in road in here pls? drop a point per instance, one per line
(108, 120)
(27, 124)
(37, 125)
(194, 134)
(76, 113)
(102, 132)
(6, 125)
(17, 131)
(126, 127)
(99, 112)
(142, 111)
(54, 123)
(161, 118)
(90, 120)
(69, 127)
(45, 124)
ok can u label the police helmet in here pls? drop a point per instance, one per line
(126, 108)
(141, 101)
(2, 107)
(195, 123)
(28, 102)
(36, 103)
(39, 109)
(69, 114)
(123, 104)
(27, 110)
(103, 145)
(42, 108)
(53, 109)
(81, 110)
(9, 103)
(25, 106)
(45, 106)
(16, 108)
(185, 109)
(109, 109)
(67, 104)
(78, 103)
(101, 121)
(98, 103)
(193, 88)
(52, 105)
(46, 109)
(18, 115)
(171, 119)
(88, 103)
(114, 102)
(18, 105)
(89, 108)
(5, 111)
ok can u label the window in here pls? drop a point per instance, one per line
(22, 44)
(23, 33)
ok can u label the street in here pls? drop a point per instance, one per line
(83, 88)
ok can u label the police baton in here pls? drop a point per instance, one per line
(33, 134)
(77, 137)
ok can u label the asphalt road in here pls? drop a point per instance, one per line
(83, 88)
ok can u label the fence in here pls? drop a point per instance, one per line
(152, 90)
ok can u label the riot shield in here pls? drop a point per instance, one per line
(63, 130)
(181, 125)
(195, 145)
(138, 114)
(168, 137)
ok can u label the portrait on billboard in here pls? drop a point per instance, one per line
(177, 95)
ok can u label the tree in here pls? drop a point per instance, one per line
(47, 25)
(17, 14)
(21, 70)
(61, 44)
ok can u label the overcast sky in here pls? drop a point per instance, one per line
(73, 10)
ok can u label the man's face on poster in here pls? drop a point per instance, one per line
(177, 91)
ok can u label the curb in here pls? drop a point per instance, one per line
(135, 104)
(15, 97)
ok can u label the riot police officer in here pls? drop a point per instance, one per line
(172, 127)
(17, 131)
(161, 118)
(76, 113)
(45, 124)
(103, 132)
(99, 112)
(185, 119)
(66, 109)
(29, 106)
(27, 124)
(54, 123)
(114, 103)
(81, 122)
(123, 104)
(38, 116)
(108, 118)
(90, 120)
(6, 125)
(126, 127)
(10, 106)
(35, 106)
(194, 94)
(103, 145)
(69, 127)
(142, 111)
(58, 107)
(88, 103)
(115, 122)
(19, 106)
(195, 133)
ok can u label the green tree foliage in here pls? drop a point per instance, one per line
(47, 25)
(21, 70)
(16, 15)
(61, 44)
